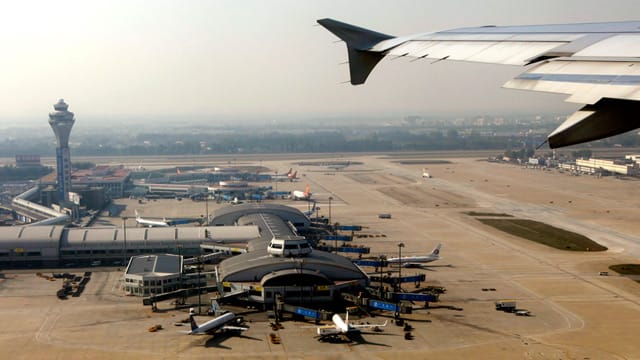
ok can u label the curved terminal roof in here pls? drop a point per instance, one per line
(58, 237)
(253, 266)
(270, 226)
(230, 215)
(275, 221)
(30, 237)
(158, 236)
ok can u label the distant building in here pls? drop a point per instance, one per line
(575, 168)
(612, 166)
(23, 161)
(113, 179)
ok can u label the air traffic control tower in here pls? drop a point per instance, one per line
(61, 121)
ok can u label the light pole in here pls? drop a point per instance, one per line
(124, 243)
(199, 301)
(381, 259)
(331, 227)
(206, 204)
(400, 246)
(330, 198)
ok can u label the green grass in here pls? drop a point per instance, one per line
(626, 269)
(476, 213)
(544, 234)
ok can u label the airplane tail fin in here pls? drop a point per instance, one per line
(192, 320)
(359, 42)
(436, 250)
(137, 215)
(306, 191)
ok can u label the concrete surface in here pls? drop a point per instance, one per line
(577, 314)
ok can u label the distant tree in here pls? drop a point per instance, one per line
(585, 154)
(11, 173)
(82, 165)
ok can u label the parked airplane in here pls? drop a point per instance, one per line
(289, 176)
(417, 261)
(150, 223)
(595, 63)
(218, 324)
(313, 209)
(301, 195)
(164, 222)
(344, 327)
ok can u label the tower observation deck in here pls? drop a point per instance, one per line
(61, 121)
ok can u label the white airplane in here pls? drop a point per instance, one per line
(425, 174)
(164, 222)
(301, 195)
(218, 324)
(344, 327)
(416, 261)
(597, 64)
(151, 223)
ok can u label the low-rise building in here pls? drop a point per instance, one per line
(153, 274)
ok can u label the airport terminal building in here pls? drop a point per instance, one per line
(48, 245)
(277, 263)
(153, 274)
(280, 262)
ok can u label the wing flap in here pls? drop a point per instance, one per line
(623, 45)
(586, 81)
(494, 52)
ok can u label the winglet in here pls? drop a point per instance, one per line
(359, 42)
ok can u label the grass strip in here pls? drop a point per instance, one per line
(544, 234)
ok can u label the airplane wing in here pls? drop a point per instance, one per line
(366, 326)
(597, 64)
(412, 264)
(234, 328)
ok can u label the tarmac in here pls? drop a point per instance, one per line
(577, 313)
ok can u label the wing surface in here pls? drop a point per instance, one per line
(597, 64)
(234, 328)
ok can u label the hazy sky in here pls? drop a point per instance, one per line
(256, 58)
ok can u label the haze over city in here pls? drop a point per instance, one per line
(214, 61)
